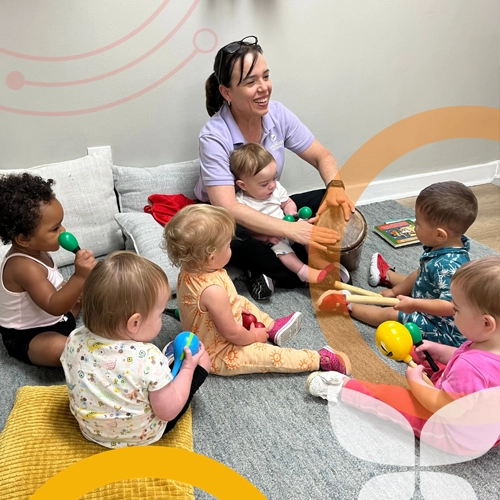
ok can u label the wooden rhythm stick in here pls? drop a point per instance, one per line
(338, 285)
(376, 301)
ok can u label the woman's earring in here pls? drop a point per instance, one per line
(228, 102)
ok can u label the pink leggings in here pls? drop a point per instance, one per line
(454, 439)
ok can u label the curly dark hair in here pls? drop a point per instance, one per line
(20, 200)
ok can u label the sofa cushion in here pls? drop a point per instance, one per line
(134, 184)
(144, 236)
(85, 189)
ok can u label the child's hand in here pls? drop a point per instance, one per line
(274, 240)
(387, 292)
(260, 333)
(84, 263)
(415, 374)
(266, 238)
(190, 361)
(406, 304)
(433, 348)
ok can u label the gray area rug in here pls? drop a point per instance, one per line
(266, 427)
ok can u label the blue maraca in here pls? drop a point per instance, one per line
(183, 339)
(68, 242)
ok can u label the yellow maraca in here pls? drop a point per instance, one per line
(395, 341)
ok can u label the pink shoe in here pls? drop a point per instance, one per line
(334, 361)
(285, 328)
(378, 271)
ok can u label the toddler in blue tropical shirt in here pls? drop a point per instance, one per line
(444, 211)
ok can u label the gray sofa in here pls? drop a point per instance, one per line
(104, 204)
(104, 208)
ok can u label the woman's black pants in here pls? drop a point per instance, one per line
(256, 256)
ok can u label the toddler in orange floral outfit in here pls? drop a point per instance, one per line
(198, 240)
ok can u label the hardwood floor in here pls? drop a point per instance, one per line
(486, 229)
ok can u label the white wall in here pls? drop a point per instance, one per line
(348, 69)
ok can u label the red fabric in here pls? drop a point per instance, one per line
(164, 206)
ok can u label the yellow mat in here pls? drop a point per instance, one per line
(41, 438)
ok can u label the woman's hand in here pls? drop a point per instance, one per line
(321, 159)
(307, 234)
(334, 197)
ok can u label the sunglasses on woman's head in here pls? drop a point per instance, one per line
(231, 48)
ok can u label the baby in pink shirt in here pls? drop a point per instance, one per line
(470, 375)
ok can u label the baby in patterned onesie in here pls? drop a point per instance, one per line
(121, 390)
(444, 211)
(198, 240)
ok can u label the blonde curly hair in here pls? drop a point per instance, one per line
(196, 232)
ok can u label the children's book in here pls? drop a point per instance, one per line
(398, 233)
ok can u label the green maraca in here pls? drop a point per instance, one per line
(68, 242)
(416, 336)
(303, 213)
(174, 313)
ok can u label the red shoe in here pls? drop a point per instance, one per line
(378, 271)
(334, 301)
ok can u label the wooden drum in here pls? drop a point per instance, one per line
(353, 235)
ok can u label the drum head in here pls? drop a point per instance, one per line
(355, 231)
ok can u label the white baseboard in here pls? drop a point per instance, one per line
(404, 187)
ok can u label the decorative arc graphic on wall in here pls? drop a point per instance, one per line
(380, 434)
(204, 41)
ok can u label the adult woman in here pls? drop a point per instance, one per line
(238, 100)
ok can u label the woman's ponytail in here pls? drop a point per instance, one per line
(214, 99)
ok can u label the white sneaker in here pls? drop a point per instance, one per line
(344, 274)
(326, 385)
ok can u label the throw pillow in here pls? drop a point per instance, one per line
(85, 189)
(144, 236)
(134, 184)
